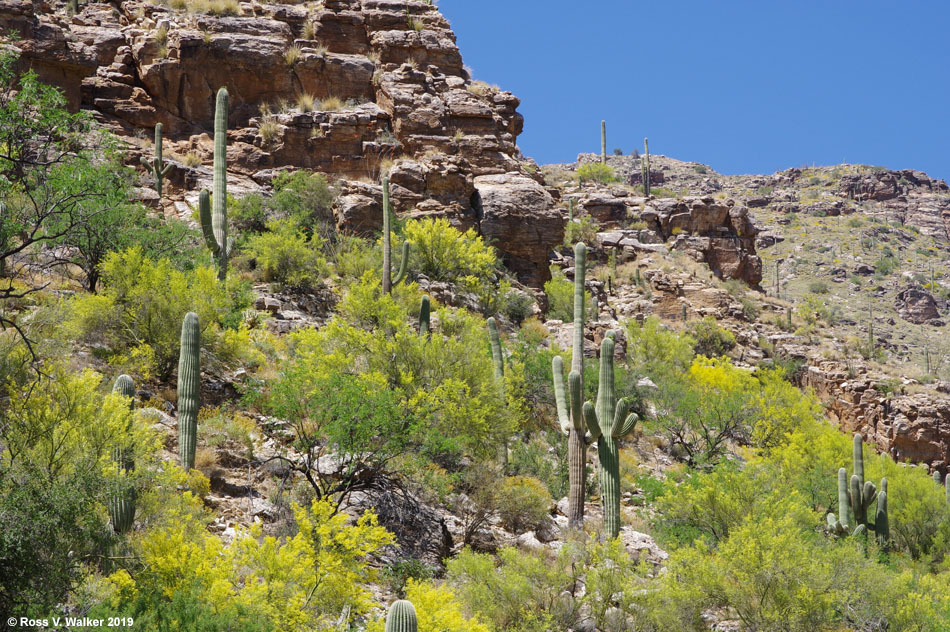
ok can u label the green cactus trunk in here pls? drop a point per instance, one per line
(646, 167)
(608, 422)
(157, 166)
(214, 222)
(189, 389)
(402, 617)
(570, 400)
(881, 524)
(424, 309)
(603, 142)
(498, 361)
(122, 503)
(388, 280)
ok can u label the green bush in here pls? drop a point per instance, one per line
(523, 503)
(885, 265)
(306, 199)
(818, 287)
(596, 172)
(248, 214)
(443, 253)
(560, 293)
(711, 340)
(583, 228)
(138, 315)
(284, 255)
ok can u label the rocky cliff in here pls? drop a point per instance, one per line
(344, 87)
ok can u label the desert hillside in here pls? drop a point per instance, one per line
(294, 337)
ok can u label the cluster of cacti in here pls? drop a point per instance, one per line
(189, 389)
(122, 503)
(569, 404)
(157, 166)
(603, 142)
(855, 498)
(645, 167)
(424, 310)
(214, 222)
(609, 421)
(388, 280)
(402, 617)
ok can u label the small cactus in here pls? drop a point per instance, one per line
(122, 503)
(388, 279)
(424, 309)
(645, 166)
(189, 389)
(214, 222)
(157, 166)
(402, 617)
(603, 142)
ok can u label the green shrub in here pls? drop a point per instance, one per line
(443, 253)
(818, 287)
(560, 293)
(534, 458)
(750, 308)
(584, 228)
(248, 214)
(516, 305)
(885, 265)
(138, 315)
(711, 340)
(523, 503)
(305, 198)
(285, 255)
(596, 172)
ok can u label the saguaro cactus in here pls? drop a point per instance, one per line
(608, 421)
(603, 142)
(424, 310)
(855, 497)
(402, 617)
(388, 280)
(645, 166)
(214, 222)
(122, 502)
(157, 166)
(498, 360)
(569, 404)
(189, 389)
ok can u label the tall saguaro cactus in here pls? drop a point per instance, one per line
(388, 280)
(608, 422)
(122, 502)
(603, 142)
(645, 166)
(214, 222)
(569, 404)
(855, 497)
(402, 617)
(189, 389)
(157, 166)
(498, 360)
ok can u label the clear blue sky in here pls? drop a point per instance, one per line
(744, 86)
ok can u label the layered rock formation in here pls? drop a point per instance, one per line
(344, 87)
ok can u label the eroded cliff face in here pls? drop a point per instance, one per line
(386, 83)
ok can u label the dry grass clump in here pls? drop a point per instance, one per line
(309, 30)
(269, 129)
(210, 7)
(292, 55)
(480, 88)
(191, 159)
(331, 104)
(305, 102)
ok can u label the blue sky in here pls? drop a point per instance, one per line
(744, 86)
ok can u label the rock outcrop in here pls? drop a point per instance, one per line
(914, 427)
(345, 87)
(918, 306)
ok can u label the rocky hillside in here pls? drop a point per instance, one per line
(345, 87)
(832, 256)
